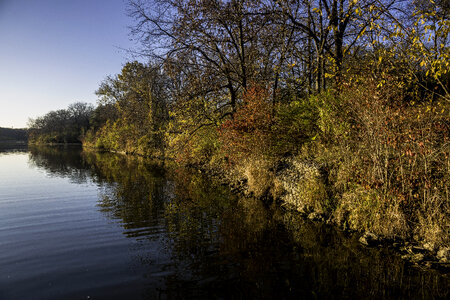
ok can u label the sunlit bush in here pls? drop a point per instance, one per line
(250, 129)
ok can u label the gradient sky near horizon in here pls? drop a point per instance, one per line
(56, 52)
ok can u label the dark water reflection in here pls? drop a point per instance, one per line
(184, 236)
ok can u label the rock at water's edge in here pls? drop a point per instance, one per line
(369, 239)
(444, 255)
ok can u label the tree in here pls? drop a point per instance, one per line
(137, 100)
(80, 114)
(423, 43)
(214, 48)
(63, 125)
(334, 28)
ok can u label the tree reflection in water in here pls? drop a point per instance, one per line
(223, 246)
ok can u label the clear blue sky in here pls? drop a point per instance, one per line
(56, 52)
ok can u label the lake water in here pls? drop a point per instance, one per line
(77, 225)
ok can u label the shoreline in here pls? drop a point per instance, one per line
(411, 250)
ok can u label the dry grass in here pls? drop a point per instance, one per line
(362, 209)
(433, 221)
(312, 195)
(257, 172)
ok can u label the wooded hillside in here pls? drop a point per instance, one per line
(13, 135)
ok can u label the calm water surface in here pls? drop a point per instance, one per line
(79, 225)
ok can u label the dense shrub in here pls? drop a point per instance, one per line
(250, 129)
(198, 148)
(388, 160)
(295, 124)
(261, 128)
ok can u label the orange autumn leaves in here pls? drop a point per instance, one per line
(250, 129)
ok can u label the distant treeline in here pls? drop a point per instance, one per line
(61, 126)
(359, 87)
(13, 135)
